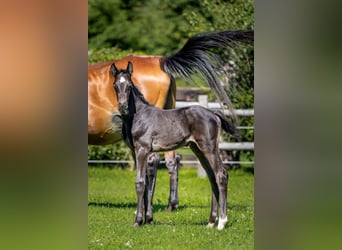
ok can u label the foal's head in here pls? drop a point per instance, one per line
(122, 85)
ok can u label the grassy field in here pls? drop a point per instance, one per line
(112, 202)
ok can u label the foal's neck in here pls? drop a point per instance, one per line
(138, 100)
(136, 104)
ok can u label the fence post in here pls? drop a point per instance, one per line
(203, 101)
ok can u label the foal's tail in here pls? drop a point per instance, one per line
(196, 57)
(227, 126)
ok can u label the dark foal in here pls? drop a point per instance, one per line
(149, 129)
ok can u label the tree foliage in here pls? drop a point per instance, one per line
(160, 26)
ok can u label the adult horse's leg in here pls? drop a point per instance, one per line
(152, 166)
(140, 182)
(172, 162)
(172, 158)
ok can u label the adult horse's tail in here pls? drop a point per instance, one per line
(196, 58)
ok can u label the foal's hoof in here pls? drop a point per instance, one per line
(136, 224)
(149, 220)
(222, 223)
(172, 208)
(211, 225)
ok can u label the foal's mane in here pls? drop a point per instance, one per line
(137, 94)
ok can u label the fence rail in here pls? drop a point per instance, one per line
(215, 105)
(236, 145)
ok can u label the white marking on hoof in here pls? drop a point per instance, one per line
(210, 224)
(222, 223)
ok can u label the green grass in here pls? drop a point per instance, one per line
(112, 202)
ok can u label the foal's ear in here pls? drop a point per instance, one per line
(129, 68)
(113, 69)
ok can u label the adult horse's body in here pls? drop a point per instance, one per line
(154, 77)
(157, 86)
(148, 129)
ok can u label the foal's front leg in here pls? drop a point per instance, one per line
(141, 162)
(153, 161)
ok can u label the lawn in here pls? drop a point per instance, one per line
(112, 202)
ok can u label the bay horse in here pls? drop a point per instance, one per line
(148, 129)
(155, 78)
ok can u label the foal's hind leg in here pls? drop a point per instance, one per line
(152, 165)
(214, 211)
(218, 178)
(221, 177)
(172, 160)
(212, 178)
(222, 180)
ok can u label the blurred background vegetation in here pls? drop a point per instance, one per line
(117, 28)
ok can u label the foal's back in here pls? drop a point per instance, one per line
(169, 129)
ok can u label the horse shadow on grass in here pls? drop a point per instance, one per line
(163, 208)
(159, 207)
(112, 205)
(156, 207)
